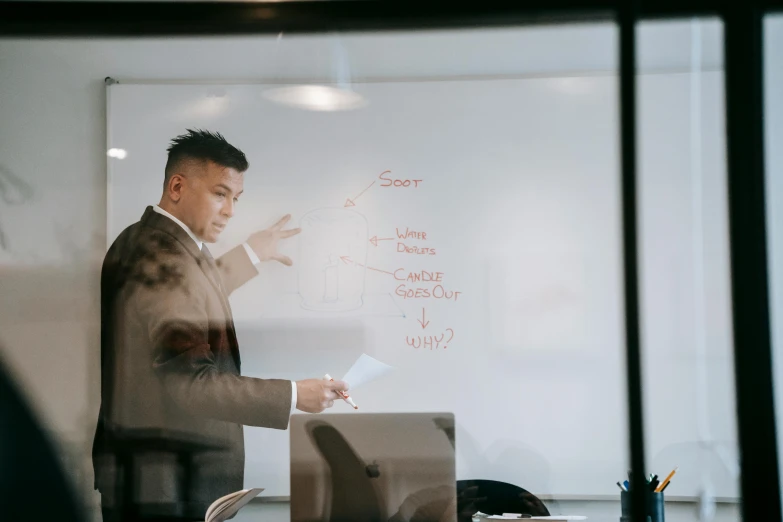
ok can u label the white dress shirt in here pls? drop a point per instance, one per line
(253, 259)
(159, 210)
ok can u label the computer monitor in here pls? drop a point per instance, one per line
(373, 466)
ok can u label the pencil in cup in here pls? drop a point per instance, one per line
(342, 394)
(666, 481)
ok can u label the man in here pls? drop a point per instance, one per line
(170, 361)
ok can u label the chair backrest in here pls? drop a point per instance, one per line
(494, 497)
(353, 496)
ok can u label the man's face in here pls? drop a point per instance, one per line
(207, 197)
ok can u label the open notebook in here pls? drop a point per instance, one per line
(227, 506)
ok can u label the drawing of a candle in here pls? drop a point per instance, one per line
(332, 259)
(331, 274)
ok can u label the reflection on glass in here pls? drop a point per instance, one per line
(344, 468)
(316, 97)
(479, 255)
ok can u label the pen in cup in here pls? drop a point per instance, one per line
(342, 394)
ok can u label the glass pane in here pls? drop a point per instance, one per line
(689, 395)
(773, 134)
(458, 199)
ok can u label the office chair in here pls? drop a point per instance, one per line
(494, 497)
(354, 497)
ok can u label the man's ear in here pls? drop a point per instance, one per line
(175, 186)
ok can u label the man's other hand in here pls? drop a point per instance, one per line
(315, 395)
(264, 242)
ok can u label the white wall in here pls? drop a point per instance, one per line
(52, 133)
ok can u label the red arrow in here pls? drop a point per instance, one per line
(374, 239)
(376, 269)
(350, 202)
(422, 321)
(346, 260)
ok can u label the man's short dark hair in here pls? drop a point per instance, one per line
(206, 146)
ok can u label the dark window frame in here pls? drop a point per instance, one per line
(743, 51)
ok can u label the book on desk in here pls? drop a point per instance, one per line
(227, 506)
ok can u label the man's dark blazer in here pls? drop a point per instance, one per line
(170, 364)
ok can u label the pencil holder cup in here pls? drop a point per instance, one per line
(655, 505)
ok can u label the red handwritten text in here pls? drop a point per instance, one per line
(433, 342)
(389, 182)
(410, 234)
(437, 292)
(414, 277)
(403, 248)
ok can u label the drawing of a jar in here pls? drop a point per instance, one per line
(332, 259)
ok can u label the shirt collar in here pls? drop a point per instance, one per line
(193, 236)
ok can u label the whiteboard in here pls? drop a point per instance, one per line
(513, 222)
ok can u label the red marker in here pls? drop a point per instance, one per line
(342, 394)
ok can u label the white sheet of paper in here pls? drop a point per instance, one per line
(364, 370)
(554, 518)
(551, 518)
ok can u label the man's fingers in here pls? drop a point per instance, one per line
(288, 233)
(283, 259)
(337, 385)
(282, 222)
